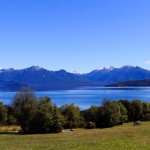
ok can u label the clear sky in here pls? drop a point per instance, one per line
(79, 35)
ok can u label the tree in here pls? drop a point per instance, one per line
(91, 114)
(11, 120)
(146, 111)
(57, 121)
(43, 116)
(123, 111)
(137, 108)
(90, 125)
(110, 113)
(47, 118)
(3, 114)
(72, 115)
(24, 108)
(129, 108)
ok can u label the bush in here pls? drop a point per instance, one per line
(137, 106)
(72, 116)
(90, 125)
(24, 108)
(57, 121)
(110, 114)
(36, 116)
(11, 120)
(91, 114)
(3, 114)
(123, 111)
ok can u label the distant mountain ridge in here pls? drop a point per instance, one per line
(39, 78)
(113, 75)
(130, 83)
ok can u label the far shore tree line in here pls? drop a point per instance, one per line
(39, 115)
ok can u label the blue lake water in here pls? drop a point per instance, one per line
(86, 96)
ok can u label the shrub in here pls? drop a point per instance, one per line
(110, 114)
(24, 108)
(90, 125)
(11, 120)
(3, 114)
(123, 111)
(91, 114)
(72, 116)
(47, 118)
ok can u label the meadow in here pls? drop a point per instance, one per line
(121, 137)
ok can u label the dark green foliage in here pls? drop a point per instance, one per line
(123, 111)
(36, 116)
(57, 120)
(91, 114)
(3, 114)
(47, 117)
(108, 115)
(24, 108)
(146, 111)
(134, 109)
(42, 119)
(90, 125)
(110, 112)
(137, 108)
(72, 116)
(11, 120)
(129, 109)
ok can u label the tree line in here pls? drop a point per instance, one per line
(39, 115)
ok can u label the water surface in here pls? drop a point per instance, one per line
(84, 97)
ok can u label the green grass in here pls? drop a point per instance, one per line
(124, 137)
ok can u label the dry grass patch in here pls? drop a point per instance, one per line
(9, 128)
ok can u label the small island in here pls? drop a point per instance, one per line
(130, 83)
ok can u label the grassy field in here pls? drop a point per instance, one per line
(124, 137)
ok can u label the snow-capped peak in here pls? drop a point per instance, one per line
(106, 68)
(6, 69)
(36, 67)
(74, 72)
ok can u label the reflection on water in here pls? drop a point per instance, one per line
(84, 97)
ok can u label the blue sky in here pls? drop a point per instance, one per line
(77, 35)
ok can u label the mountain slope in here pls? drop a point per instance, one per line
(114, 75)
(39, 78)
(42, 79)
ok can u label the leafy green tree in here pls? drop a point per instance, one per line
(129, 108)
(146, 111)
(57, 120)
(137, 108)
(24, 108)
(110, 112)
(3, 114)
(47, 117)
(91, 114)
(11, 120)
(90, 125)
(123, 111)
(42, 119)
(72, 116)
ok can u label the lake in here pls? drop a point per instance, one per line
(84, 97)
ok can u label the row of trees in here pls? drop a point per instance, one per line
(41, 116)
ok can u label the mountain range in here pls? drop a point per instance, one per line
(39, 78)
